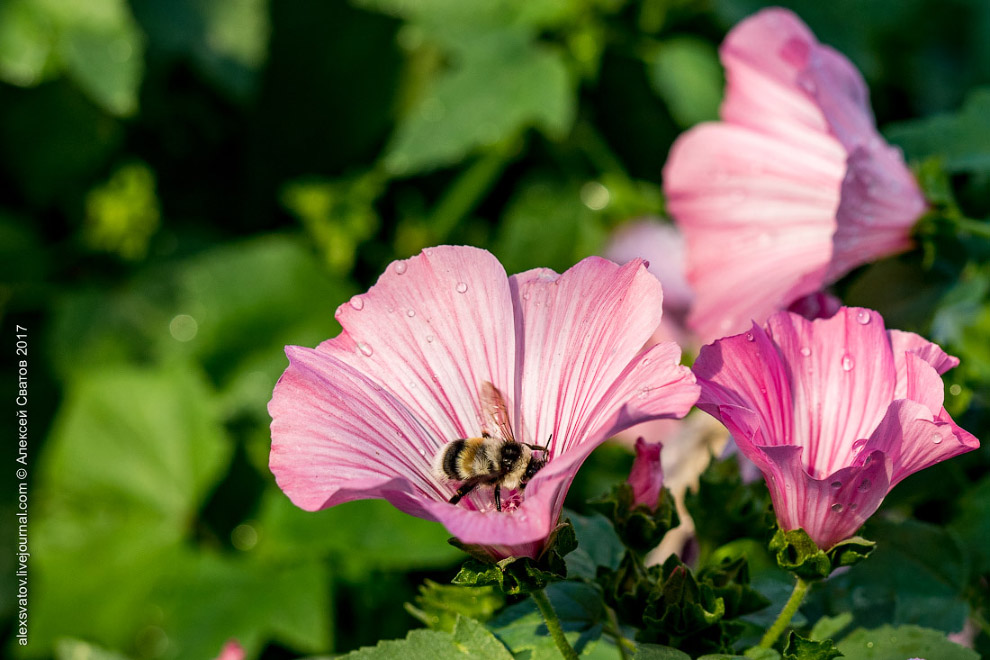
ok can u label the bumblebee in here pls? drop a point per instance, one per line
(491, 461)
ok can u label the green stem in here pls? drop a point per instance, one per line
(553, 624)
(470, 188)
(786, 614)
(975, 227)
(613, 628)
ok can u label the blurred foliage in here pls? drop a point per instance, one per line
(186, 186)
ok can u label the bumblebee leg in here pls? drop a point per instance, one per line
(498, 497)
(465, 488)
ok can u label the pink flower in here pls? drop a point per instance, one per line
(834, 412)
(793, 188)
(646, 475)
(365, 414)
(232, 650)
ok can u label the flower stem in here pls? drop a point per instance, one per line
(975, 227)
(613, 628)
(553, 624)
(786, 614)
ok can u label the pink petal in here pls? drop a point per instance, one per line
(580, 375)
(842, 375)
(829, 509)
(743, 377)
(646, 475)
(818, 305)
(881, 202)
(432, 330)
(914, 438)
(902, 343)
(337, 436)
(753, 210)
(662, 246)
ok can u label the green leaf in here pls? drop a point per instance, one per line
(469, 639)
(725, 509)
(829, 627)
(898, 643)
(499, 86)
(657, 652)
(799, 648)
(972, 524)
(686, 73)
(917, 575)
(961, 140)
(132, 455)
(209, 599)
(123, 213)
(598, 545)
(26, 43)
(440, 605)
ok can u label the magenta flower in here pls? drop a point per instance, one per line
(232, 650)
(834, 412)
(366, 414)
(646, 475)
(793, 188)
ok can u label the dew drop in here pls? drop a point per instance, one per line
(836, 507)
(429, 339)
(863, 317)
(357, 302)
(365, 349)
(645, 361)
(836, 484)
(858, 445)
(390, 309)
(410, 313)
(805, 351)
(400, 267)
(864, 485)
(937, 439)
(750, 337)
(526, 296)
(643, 393)
(847, 362)
(461, 287)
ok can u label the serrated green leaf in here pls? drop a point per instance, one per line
(598, 545)
(961, 140)
(797, 552)
(800, 648)
(898, 643)
(440, 605)
(469, 639)
(686, 73)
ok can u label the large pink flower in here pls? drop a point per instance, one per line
(365, 414)
(834, 412)
(793, 188)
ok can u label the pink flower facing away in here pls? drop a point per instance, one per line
(834, 412)
(793, 188)
(646, 475)
(365, 414)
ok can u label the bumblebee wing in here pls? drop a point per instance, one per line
(494, 411)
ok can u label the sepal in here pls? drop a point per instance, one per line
(640, 528)
(796, 552)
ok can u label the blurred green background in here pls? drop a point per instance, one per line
(188, 185)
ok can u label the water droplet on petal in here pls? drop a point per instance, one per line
(863, 317)
(836, 484)
(858, 445)
(836, 507)
(357, 302)
(848, 362)
(750, 337)
(400, 267)
(461, 287)
(645, 361)
(410, 313)
(365, 349)
(937, 439)
(864, 485)
(805, 351)
(429, 339)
